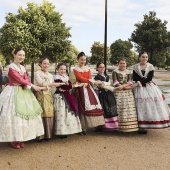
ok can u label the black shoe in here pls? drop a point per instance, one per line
(39, 140)
(84, 133)
(62, 136)
(142, 131)
(98, 129)
(46, 139)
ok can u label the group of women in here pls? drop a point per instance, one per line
(60, 108)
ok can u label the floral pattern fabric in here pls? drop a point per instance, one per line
(15, 128)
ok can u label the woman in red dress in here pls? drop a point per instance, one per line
(90, 110)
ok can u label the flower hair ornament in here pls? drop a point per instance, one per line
(13, 51)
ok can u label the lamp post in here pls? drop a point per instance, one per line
(105, 37)
(167, 56)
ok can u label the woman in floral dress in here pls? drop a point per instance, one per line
(127, 116)
(66, 110)
(20, 112)
(45, 80)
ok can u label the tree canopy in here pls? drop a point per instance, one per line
(151, 35)
(97, 51)
(71, 56)
(122, 49)
(39, 30)
(2, 60)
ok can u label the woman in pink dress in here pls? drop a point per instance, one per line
(20, 112)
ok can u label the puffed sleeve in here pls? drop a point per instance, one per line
(129, 78)
(18, 78)
(81, 78)
(38, 79)
(41, 81)
(114, 77)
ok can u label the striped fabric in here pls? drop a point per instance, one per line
(127, 116)
(111, 124)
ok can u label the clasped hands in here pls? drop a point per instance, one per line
(36, 88)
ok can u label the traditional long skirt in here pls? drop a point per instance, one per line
(66, 121)
(13, 125)
(152, 110)
(46, 102)
(90, 109)
(127, 116)
(108, 103)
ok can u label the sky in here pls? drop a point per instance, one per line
(86, 17)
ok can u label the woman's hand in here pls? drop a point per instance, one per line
(60, 89)
(135, 85)
(78, 84)
(120, 87)
(98, 83)
(16, 84)
(36, 88)
(116, 88)
(44, 88)
(127, 87)
(85, 84)
(59, 84)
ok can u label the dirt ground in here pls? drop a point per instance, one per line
(95, 151)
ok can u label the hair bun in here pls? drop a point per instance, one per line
(81, 54)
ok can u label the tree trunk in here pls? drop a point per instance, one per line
(151, 56)
(32, 72)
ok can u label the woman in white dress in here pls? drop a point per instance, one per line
(20, 112)
(65, 106)
(153, 112)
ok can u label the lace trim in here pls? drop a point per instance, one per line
(64, 78)
(126, 72)
(47, 77)
(15, 67)
(115, 83)
(85, 69)
(137, 69)
(88, 106)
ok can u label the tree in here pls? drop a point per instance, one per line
(160, 59)
(120, 49)
(71, 56)
(2, 60)
(167, 63)
(97, 51)
(151, 35)
(39, 30)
